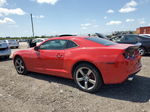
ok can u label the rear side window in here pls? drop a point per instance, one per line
(131, 39)
(71, 44)
(101, 41)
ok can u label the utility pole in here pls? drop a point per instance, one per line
(32, 25)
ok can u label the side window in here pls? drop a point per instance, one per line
(122, 38)
(70, 44)
(131, 38)
(54, 45)
(127, 38)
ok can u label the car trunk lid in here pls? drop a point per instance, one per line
(129, 51)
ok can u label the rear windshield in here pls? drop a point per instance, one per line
(101, 41)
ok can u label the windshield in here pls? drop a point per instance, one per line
(101, 41)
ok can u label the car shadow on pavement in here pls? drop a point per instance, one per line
(3, 59)
(136, 91)
(51, 78)
(147, 55)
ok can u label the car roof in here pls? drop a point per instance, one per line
(132, 34)
(69, 37)
(144, 34)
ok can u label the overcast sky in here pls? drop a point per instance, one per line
(72, 16)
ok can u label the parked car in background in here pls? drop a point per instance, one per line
(23, 40)
(145, 35)
(115, 38)
(90, 61)
(12, 43)
(101, 36)
(5, 50)
(38, 40)
(134, 39)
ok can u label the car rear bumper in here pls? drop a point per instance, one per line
(131, 77)
(118, 72)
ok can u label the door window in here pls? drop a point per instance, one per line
(53, 45)
(70, 44)
(131, 38)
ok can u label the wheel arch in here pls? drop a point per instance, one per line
(17, 56)
(81, 62)
(25, 70)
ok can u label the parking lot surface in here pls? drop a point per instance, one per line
(42, 93)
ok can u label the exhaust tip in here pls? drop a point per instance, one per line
(130, 78)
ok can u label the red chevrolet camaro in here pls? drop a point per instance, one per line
(90, 61)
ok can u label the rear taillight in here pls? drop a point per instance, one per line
(126, 55)
(137, 52)
(131, 53)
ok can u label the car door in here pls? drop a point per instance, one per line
(51, 56)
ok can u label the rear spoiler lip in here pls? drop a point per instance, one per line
(134, 46)
(138, 44)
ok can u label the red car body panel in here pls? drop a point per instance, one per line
(109, 60)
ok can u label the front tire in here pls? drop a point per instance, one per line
(87, 78)
(20, 66)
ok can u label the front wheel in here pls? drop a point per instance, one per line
(87, 78)
(20, 66)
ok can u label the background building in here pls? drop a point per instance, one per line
(143, 30)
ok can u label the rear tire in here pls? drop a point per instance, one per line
(20, 66)
(87, 78)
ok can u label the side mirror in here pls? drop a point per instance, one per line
(36, 48)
